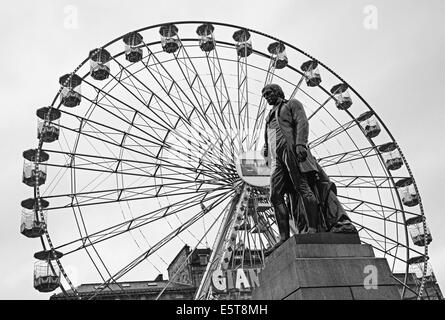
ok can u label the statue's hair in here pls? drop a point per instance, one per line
(275, 88)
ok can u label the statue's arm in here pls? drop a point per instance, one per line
(301, 121)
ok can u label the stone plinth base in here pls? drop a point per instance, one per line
(324, 266)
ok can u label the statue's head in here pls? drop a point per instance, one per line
(272, 93)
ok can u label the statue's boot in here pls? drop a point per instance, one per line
(313, 214)
(344, 226)
(311, 230)
(282, 217)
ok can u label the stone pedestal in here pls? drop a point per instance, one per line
(324, 266)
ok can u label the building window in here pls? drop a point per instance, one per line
(203, 259)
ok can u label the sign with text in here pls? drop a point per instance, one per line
(235, 280)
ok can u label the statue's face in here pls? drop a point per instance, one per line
(270, 96)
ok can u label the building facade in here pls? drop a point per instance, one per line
(133, 290)
(185, 273)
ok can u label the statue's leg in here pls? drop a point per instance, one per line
(277, 190)
(298, 212)
(282, 216)
(301, 185)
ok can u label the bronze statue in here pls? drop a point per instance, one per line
(298, 183)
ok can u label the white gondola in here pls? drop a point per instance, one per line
(100, 64)
(70, 95)
(133, 52)
(421, 236)
(369, 124)
(169, 38)
(417, 268)
(407, 192)
(391, 156)
(206, 37)
(278, 52)
(46, 272)
(34, 170)
(243, 43)
(48, 124)
(343, 100)
(32, 226)
(311, 73)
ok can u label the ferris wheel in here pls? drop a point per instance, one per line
(151, 144)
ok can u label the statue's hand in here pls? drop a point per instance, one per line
(301, 152)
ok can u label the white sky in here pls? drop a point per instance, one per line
(397, 68)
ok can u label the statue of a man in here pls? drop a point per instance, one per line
(295, 172)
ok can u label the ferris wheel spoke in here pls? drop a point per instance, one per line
(179, 113)
(61, 173)
(169, 88)
(126, 147)
(204, 155)
(132, 163)
(348, 156)
(218, 150)
(132, 118)
(380, 241)
(178, 96)
(222, 94)
(171, 175)
(332, 134)
(126, 135)
(201, 130)
(355, 204)
(243, 103)
(195, 201)
(164, 241)
(129, 195)
(320, 107)
(147, 171)
(219, 171)
(387, 240)
(109, 131)
(297, 87)
(192, 148)
(139, 192)
(406, 286)
(156, 122)
(196, 84)
(349, 181)
(127, 75)
(376, 215)
(208, 159)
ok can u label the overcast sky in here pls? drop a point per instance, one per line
(398, 68)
